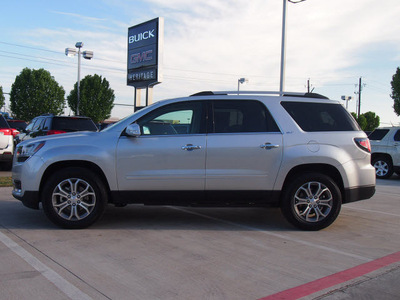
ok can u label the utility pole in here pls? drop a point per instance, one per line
(359, 97)
(360, 87)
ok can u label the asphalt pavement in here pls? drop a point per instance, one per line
(142, 252)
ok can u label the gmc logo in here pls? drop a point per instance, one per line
(141, 57)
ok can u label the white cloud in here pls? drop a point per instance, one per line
(209, 44)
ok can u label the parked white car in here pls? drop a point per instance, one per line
(6, 143)
(385, 147)
(304, 153)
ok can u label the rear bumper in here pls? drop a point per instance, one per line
(359, 193)
(6, 157)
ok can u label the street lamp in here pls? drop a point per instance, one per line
(70, 52)
(283, 50)
(347, 99)
(241, 81)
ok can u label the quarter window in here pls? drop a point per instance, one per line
(378, 134)
(315, 117)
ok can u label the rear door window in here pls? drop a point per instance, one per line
(237, 116)
(314, 117)
(397, 136)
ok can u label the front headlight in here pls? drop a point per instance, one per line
(24, 151)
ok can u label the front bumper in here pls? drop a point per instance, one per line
(29, 198)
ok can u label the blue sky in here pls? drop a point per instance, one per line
(209, 44)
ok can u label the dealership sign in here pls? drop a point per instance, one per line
(145, 43)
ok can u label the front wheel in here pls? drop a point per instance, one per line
(74, 198)
(311, 202)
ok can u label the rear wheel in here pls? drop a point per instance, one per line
(312, 201)
(74, 198)
(383, 167)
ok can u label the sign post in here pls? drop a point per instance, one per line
(145, 45)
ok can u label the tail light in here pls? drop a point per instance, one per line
(5, 131)
(50, 132)
(14, 132)
(364, 144)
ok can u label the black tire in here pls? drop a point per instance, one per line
(74, 198)
(311, 202)
(383, 167)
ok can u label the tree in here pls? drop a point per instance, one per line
(35, 92)
(368, 121)
(395, 83)
(96, 98)
(2, 98)
(372, 121)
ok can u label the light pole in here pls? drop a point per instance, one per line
(283, 49)
(87, 55)
(241, 81)
(347, 99)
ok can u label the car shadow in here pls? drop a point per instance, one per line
(191, 218)
(13, 215)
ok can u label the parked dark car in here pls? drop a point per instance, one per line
(49, 124)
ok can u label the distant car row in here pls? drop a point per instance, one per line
(13, 132)
(49, 124)
(385, 146)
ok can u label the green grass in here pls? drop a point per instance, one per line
(5, 181)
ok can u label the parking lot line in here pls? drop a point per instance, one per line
(335, 279)
(373, 211)
(277, 235)
(66, 287)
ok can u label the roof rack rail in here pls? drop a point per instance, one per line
(204, 93)
(288, 94)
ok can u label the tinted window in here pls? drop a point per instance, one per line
(242, 116)
(19, 125)
(321, 116)
(177, 118)
(47, 124)
(30, 125)
(397, 136)
(38, 124)
(378, 134)
(3, 122)
(73, 124)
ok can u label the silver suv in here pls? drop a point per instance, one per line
(304, 154)
(385, 145)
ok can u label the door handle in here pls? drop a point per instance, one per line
(269, 146)
(190, 147)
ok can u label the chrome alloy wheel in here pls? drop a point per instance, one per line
(73, 199)
(313, 201)
(381, 168)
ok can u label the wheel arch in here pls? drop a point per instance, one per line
(325, 169)
(75, 163)
(376, 155)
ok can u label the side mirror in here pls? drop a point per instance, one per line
(133, 130)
